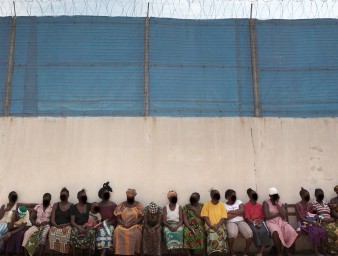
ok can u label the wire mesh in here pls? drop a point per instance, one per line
(183, 9)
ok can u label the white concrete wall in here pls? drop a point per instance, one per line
(154, 155)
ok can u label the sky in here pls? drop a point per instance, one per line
(183, 9)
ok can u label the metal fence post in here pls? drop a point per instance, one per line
(10, 67)
(257, 109)
(146, 66)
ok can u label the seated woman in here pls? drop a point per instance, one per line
(128, 233)
(334, 204)
(59, 234)
(316, 232)
(80, 237)
(235, 221)
(173, 223)
(4, 211)
(10, 206)
(152, 230)
(37, 234)
(109, 221)
(194, 232)
(18, 222)
(282, 233)
(253, 214)
(331, 226)
(214, 215)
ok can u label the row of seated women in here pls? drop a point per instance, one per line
(213, 226)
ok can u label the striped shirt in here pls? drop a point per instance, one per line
(323, 210)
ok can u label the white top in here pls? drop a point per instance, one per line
(173, 215)
(234, 207)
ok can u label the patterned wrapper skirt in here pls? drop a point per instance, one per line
(14, 244)
(152, 242)
(261, 236)
(174, 240)
(35, 236)
(104, 236)
(194, 241)
(83, 241)
(59, 239)
(216, 240)
(332, 237)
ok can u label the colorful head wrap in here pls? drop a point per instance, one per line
(153, 208)
(22, 211)
(132, 191)
(171, 193)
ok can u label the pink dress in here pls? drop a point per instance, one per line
(286, 233)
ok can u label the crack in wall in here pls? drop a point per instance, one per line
(254, 154)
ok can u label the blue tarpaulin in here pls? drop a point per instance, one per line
(95, 66)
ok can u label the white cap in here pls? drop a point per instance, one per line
(273, 191)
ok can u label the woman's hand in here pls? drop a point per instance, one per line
(80, 229)
(7, 236)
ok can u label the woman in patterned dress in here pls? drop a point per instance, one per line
(128, 233)
(104, 240)
(152, 230)
(194, 232)
(173, 223)
(80, 236)
(214, 214)
(331, 226)
(59, 234)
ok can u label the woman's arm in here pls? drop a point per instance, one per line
(33, 219)
(3, 209)
(52, 217)
(164, 218)
(303, 218)
(239, 211)
(281, 209)
(220, 223)
(186, 222)
(73, 223)
(267, 213)
(119, 220)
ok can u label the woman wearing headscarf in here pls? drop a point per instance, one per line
(128, 233)
(214, 214)
(334, 204)
(282, 233)
(59, 234)
(253, 214)
(107, 208)
(194, 232)
(81, 237)
(307, 222)
(173, 223)
(324, 212)
(36, 235)
(18, 222)
(235, 222)
(152, 230)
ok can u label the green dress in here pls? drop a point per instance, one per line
(194, 241)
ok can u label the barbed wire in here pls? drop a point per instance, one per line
(183, 9)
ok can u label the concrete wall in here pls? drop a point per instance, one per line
(154, 155)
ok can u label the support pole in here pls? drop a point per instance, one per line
(146, 65)
(257, 110)
(10, 66)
